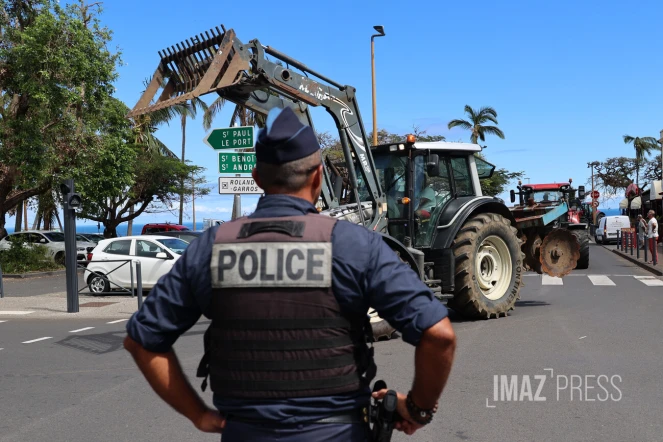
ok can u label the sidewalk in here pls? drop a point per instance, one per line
(640, 261)
(54, 306)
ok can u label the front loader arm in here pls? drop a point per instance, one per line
(241, 73)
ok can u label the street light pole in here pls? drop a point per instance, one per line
(380, 33)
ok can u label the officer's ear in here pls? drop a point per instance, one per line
(254, 175)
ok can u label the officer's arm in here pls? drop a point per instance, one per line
(400, 297)
(164, 374)
(432, 363)
(173, 306)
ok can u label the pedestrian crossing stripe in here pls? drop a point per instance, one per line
(601, 280)
(649, 281)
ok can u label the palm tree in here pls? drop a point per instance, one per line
(643, 146)
(186, 113)
(476, 123)
(242, 115)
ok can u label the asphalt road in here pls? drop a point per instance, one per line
(600, 328)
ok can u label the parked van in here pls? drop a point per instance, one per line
(609, 226)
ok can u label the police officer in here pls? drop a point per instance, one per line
(287, 291)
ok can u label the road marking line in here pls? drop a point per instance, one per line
(582, 337)
(551, 280)
(80, 329)
(1, 348)
(649, 281)
(15, 312)
(119, 320)
(600, 280)
(37, 340)
(3, 321)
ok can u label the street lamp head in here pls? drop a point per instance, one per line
(380, 29)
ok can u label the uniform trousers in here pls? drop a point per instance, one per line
(325, 432)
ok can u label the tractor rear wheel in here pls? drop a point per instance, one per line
(583, 239)
(489, 267)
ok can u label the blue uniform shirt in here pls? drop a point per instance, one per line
(365, 272)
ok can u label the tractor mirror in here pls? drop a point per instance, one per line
(581, 193)
(513, 196)
(433, 166)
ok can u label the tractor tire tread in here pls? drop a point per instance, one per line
(468, 300)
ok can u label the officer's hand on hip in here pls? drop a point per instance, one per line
(407, 425)
(211, 421)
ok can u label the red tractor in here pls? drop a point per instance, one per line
(550, 217)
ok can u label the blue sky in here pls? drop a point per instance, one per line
(567, 79)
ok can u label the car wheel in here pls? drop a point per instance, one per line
(59, 258)
(98, 284)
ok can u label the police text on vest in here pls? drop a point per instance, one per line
(300, 264)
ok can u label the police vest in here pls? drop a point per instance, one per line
(277, 330)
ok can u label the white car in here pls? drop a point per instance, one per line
(53, 241)
(108, 268)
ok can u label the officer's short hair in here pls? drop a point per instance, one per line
(288, 177)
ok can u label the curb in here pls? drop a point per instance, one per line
(35, 274)
(636, 261)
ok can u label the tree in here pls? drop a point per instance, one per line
(476, 123)
(123, 174)
(614, 174)
(189, 112)
(55, 75)
(643, 146)
(497, 184)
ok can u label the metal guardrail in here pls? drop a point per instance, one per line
(121, 289)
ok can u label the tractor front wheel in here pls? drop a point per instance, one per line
(583, 240)
(489, 267)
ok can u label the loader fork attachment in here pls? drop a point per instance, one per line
(194, 67)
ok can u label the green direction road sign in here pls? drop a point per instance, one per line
(230, 138)
(236, 162)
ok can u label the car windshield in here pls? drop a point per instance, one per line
(175, 244)
(55, 236)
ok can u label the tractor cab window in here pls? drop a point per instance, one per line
(545, 196)
(391, 170)
(462, 176)
(430, 195)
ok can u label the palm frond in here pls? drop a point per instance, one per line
(470, 112)
(628, 139)
(487, 110)
(460, 123)
(491, 130)
(211, 112)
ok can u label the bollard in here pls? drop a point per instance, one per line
(637, 239)
(646, 247)
(619, 242)
(2, 290)
(139, 283)
(631, 240)
(131, 277)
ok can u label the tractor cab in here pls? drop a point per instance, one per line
(420, 179)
